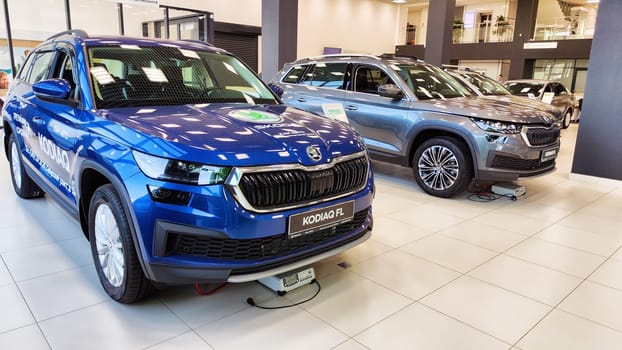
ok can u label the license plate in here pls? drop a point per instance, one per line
(315, 220)
(548, 154)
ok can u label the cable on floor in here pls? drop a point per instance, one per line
(488, 197)
(251, 302)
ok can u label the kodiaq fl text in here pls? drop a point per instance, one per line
(180, 164)
(416, 115)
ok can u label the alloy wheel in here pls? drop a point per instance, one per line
(109, 245)
(438, 167)
(16, 165)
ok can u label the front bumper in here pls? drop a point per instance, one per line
(180, 240)
(509, 157)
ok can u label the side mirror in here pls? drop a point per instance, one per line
(276, 89)
(391, 91)
(52, 89)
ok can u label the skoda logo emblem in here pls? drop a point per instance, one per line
(314, 153)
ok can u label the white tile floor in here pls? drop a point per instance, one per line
(544, 272)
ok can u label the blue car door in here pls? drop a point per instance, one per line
(55, 132)
(380, 120)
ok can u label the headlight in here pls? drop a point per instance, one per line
(180, 171)
(496, 126)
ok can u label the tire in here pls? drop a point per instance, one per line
(567, 119)
(442, 167)
(22, 183)
(118, 267)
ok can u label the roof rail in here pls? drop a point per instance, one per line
(395, 56)
(74, 32)
(198, 42)
(343, 55)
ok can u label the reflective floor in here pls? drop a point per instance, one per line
(544, 272)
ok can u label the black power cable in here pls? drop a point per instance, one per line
(251, 302)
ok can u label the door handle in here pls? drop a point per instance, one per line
(38, 120)
(352, 108)
(302, 99)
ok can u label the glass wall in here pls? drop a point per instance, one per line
(562, 20)
(570, 72)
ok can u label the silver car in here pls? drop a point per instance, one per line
(547, 91)
(416, 115)
(481, 85)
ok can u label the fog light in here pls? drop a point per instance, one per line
(165, 195)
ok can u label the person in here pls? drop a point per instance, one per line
(4, 80)
(500, 78)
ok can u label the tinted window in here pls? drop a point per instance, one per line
(40, 67)
(559, 89)
(295, 74)
(368, 78)
(64, 70)
(327, 75)
(486, 85)
(428, 82)
(157, 76)
(524, 89)
(23, 72)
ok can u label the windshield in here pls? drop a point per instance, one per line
(136, 76)
(486, 85)
(524, 89)
(428, 82)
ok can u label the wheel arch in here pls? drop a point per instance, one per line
(94, 175)
(427, 133)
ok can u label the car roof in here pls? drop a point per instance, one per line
(78, 36)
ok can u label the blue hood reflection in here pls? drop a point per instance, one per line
(226, 134)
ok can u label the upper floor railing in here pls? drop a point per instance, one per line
(499, 30)
(563, 28)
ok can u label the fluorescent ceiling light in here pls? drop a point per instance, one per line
(593, 1)
(399, 1)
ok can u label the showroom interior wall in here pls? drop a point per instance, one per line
(361, 26)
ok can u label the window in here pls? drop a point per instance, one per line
(40, 67)
(64, 70)
(136, 76)
(327, 75)
(560, 89)
(428, 82)
(368, 78)
(295, 74)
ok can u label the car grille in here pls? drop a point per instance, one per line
(504, 162)
(542, 136)
(247, 249)
(267, 190)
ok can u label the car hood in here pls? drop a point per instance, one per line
(490, 107)
(231, 134)
(529, 102)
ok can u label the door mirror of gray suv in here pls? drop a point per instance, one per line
(276, 89)
(391, 91)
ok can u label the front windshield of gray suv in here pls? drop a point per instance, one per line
(135, 76)
(428, 83)
(486, 85)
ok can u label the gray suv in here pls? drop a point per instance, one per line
(416, 115)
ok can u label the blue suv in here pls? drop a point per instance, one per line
(180, 164)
